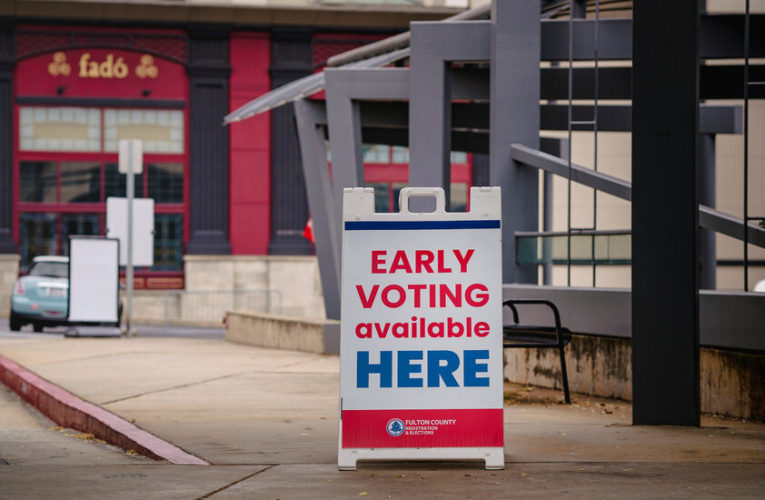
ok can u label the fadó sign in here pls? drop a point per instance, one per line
(102, 73)
(110, 67)
(421, 341)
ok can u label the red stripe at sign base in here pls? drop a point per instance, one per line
(422, 428)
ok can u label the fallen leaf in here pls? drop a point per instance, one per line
(364, 494)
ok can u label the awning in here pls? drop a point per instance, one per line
(374, 55)
(306, 86)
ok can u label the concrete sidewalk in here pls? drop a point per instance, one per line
(266, 421)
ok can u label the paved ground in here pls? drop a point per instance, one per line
(267, 422)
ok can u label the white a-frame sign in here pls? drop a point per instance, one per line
(421, 330)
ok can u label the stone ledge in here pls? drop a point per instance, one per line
(283, 332)
(731, 382)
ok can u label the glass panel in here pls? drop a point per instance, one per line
(168, 242)
(37, 181)
(458, 157)
(382, 197)
(80, 182)
(161, 130)
(165, 182)
(459, 195)
(78, 224)
(50, 269)
(37, 236)
(400, 154)
(376, 153)
(115, 183)
(609, 249)
(59, 129)
(397, 187)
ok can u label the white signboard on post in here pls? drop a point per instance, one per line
(421, 330)
(93, 280)
(143, 228)
(130, 156)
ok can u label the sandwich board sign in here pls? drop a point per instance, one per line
(93, 280)
(421, 331)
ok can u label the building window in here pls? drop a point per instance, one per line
(59, 129)
(386, 169)
(38, 181)
(37, 236)
(165, 182)
(80, 182)
(160, 130)
(67, 167)
(168, 252)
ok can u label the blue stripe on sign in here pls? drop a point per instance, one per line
(414, 225)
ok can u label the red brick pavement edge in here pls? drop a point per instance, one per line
(67, 410)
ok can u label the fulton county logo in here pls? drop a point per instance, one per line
(395, 427)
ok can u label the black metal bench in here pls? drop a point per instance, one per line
(540, 337)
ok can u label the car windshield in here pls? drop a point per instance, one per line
(50, 269)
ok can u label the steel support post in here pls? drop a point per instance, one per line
(434, 46)
(345, 89)
(707, 246)
(665, 204)
(514, 118)
(311, 120)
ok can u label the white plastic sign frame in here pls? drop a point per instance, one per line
(421, 331)
(93, 280)
(143, 228)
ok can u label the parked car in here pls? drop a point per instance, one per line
(41, 297)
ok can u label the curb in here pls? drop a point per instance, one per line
(67, 410)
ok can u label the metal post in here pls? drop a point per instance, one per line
(665, 213)
(129, 268)
(707, 246)
(514, 118)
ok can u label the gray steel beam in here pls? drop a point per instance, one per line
(345, 89)
(345, 143)
(715, 82)
(729, 320)
(665, 213)
(709, 218)
(400, 40)
(434, 45)
(720, 37)
(311, 118)
(514, 118)
(707, 190)
(729, 225)
(615, 118)
(476, 116)
(585, 176)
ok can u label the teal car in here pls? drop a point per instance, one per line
(41, 297)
